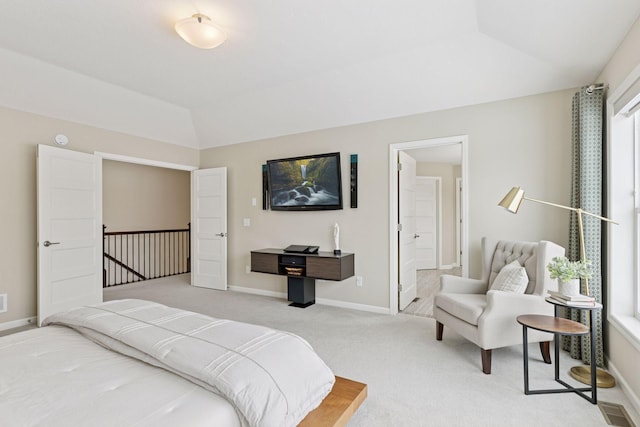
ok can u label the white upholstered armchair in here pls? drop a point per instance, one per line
(487, 317)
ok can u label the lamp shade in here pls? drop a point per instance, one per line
(200, 31)
(512, 200)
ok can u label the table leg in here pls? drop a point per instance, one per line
(556, 352)
(556, 347)
(525, 358)
(594, 385)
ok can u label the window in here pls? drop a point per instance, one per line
(636, 144)
(623, 196)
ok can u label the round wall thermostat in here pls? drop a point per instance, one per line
(61, 139)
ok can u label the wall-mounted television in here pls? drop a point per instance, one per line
(305, 183)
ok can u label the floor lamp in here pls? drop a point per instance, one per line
(511, 202)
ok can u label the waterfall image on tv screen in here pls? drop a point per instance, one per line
(305, 183)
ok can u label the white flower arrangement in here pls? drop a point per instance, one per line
(564, 270)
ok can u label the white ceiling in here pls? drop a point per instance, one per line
(292, 66)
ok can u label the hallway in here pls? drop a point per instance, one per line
(428, 284)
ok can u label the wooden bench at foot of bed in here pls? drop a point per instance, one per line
(339, 406)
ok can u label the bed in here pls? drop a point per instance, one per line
(134, 362)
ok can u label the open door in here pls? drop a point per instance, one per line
(209, 228)
(407, 280)
(69, 230)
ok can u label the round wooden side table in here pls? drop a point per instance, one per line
(557, 326)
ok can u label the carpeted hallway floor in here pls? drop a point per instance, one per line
(413, 379)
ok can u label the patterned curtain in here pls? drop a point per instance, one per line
(587, 188)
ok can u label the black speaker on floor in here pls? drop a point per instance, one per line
(265, 188)
(353, 174)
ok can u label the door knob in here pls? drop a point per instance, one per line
(415, 236)
(48, 243)
(221, 234)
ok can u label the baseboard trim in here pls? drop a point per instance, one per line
(321, 301)
(18, 323)
(353, 306)
(628, 391)
(254, 291)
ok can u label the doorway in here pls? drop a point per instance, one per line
(146, 215)
(65, 167)
(430, 151)
(208, 207)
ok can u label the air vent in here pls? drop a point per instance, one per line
(3, 303)
(615, 414)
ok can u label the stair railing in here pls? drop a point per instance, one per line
(133, 256)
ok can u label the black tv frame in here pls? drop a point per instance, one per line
(302, 207)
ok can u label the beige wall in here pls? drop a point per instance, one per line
(448, 173)
(622, 353)
(532, 133)
(153, 198)
(21, 132)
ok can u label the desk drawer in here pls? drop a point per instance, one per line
(338, 268)
(264, 263)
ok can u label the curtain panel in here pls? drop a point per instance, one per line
(587, 192)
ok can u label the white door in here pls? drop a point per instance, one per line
(426, 222)
(69, 230)
(459, 222)
(407, 290)
(209, 228)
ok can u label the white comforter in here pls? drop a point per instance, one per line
(273, 378)
(55, 377)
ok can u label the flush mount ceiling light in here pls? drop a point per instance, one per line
(200, 31)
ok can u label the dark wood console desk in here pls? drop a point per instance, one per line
(302, 270)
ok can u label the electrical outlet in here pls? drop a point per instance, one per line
(3, 303)
(247, 269)
(246, 222)
(359, 281)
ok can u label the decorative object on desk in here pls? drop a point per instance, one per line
(336, 239)
(512, 202)
(569, 274)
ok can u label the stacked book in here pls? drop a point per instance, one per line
(573, 300)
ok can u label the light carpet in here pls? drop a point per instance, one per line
(413, 379)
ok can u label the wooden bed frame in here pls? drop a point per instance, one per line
(339, 406)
